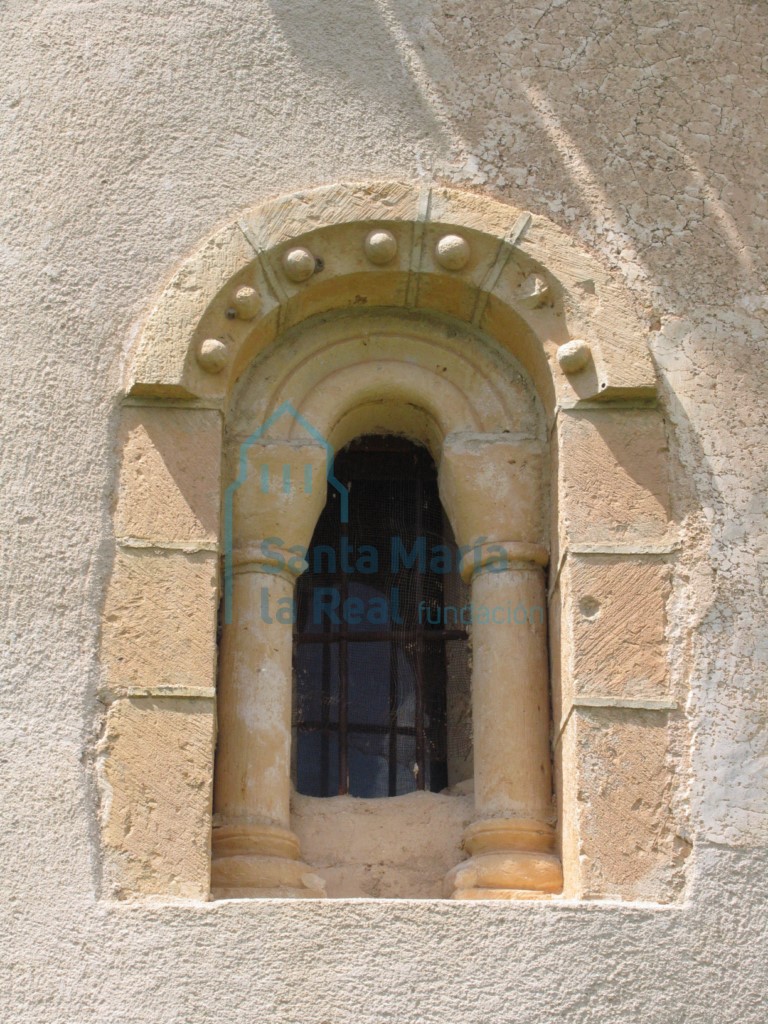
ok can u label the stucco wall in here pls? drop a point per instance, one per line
(130, 130)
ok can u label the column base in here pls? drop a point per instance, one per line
(260, 862)
(510, 859)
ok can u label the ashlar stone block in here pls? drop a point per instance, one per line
(159, 626)
(628, 842)
(613, 470)
(615, 643)
(170, 475)
(155, 773)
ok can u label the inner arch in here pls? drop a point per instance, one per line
(337, 372)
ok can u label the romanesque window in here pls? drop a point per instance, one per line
(481, 424)
(485, 336)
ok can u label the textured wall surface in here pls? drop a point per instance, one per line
(130, 130)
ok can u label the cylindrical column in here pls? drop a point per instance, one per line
(511, 844)
(254, 851)
(276, 499)
(252, 782)
(510, 698)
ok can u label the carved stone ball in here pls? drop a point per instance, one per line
(246, 302)
(212, 355)
(299, 264)
(452, 252)
(573, 356)
(380, 247)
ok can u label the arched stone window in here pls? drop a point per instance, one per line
(465, 399)
(484, 335)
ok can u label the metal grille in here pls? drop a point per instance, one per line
(372, 652)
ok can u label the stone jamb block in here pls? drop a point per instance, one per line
(155, 769)
(169, 489)
(620, 763)
(613, 475)
(613, 635)
(159, 624)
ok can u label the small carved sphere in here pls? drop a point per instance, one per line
(573, 356)
(246, 302)
(299, 264)
(380, 247)
(452, 252)
(212, 355)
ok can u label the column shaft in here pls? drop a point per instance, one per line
(511, 846)
(254, 851)
(253, 761)
(510, 700)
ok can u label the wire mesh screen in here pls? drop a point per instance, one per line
(381, 660)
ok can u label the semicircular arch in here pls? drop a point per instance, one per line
(515, 276)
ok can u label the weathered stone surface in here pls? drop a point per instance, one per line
(629, 843)
(276, 222)
(328, 226)
(566, 786)
(344, 276)
(164, 352)
(170, 475)
(398, 848)
(614, 475)
(155, 772)
(279, 491)
(451, 273)
(160, 620)
(616, 611)
(555, 639)
(493, 489)
(133, 130)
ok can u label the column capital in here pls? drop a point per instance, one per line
(279, 493)
(493, 488)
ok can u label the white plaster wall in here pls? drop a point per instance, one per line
(130, 129)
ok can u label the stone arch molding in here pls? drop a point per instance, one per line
(328, 383)
(486, 333)
(515, 276)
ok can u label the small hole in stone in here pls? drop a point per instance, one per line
(319, 265)
(589, 607)
(230, 314)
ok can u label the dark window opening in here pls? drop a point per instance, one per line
(378, 640)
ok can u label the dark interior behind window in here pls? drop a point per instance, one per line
(373, 645)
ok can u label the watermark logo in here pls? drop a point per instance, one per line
(363, 604)
(265, 478)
